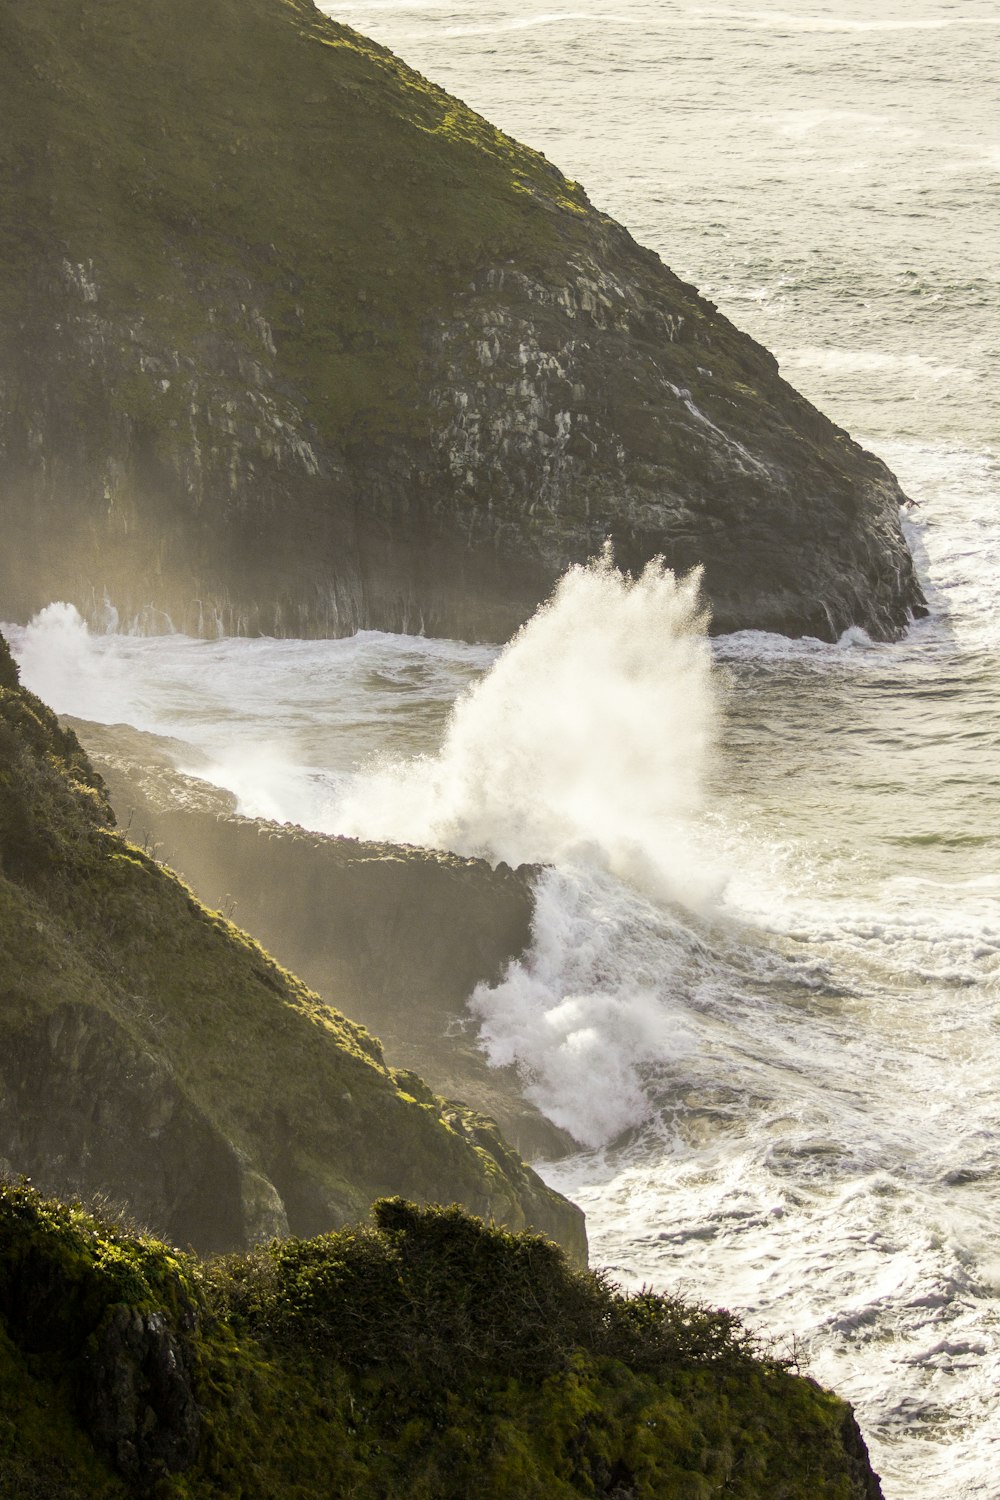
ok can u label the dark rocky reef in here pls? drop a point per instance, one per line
(152, 1053)
(424, 1354)
(292, 342)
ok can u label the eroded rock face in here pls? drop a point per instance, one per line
(865, 1481)
(610, 401)
(139, 1402)
(83, 1108)
(344, 356)
(400, 936)
(152, 1054)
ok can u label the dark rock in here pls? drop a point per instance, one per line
(865, 1482)
(84, 1110)
(138, 1398)
(291, 342)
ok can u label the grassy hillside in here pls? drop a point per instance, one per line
(151, 1052)
(293, 342)
(424, 1354)
(312, 171)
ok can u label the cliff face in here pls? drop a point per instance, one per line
(400, 936)
(153, 1054)
(291, 341)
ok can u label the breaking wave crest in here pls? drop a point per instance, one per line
(584, 749)
(586, 744)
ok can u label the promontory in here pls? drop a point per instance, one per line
(293, 342)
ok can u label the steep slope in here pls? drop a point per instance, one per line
(292, 341)
(423, 1355)
(400, 935)
(151, 1053)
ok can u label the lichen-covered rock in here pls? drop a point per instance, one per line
(291, 341)
(864, 1480)
(151, 1052)
(138, 1399)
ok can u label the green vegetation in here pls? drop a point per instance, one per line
(315, 180)
(293, 341)
(423, 1354)
(151, 1051)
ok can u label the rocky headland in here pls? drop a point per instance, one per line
(293, 342)
(155, 1058)
(400, 936)
(153, 1055)
(423, 1353)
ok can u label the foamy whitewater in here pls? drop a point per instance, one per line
(763, 987)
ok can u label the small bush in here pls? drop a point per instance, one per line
(437, 1296)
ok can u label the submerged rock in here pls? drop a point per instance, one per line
(152, 1053)
(293, 342)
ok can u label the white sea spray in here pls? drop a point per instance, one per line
(587, 742)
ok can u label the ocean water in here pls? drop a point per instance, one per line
(764, 986)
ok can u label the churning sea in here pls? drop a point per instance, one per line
(764, 989)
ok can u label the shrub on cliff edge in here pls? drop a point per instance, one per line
(426, 1353)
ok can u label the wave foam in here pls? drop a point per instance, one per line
(60, 661)
(585, 745)
(587, 1016)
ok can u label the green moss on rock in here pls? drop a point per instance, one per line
(424, 1353)
(199, 220)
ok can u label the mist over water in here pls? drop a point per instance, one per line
(763, 983)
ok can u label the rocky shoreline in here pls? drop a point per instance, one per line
(154, 1055)
(397, 937)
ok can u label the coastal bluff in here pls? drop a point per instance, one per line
(153, 1055)
(292, 342)
(334, 1337)
(400, 935)
(423, 1353)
